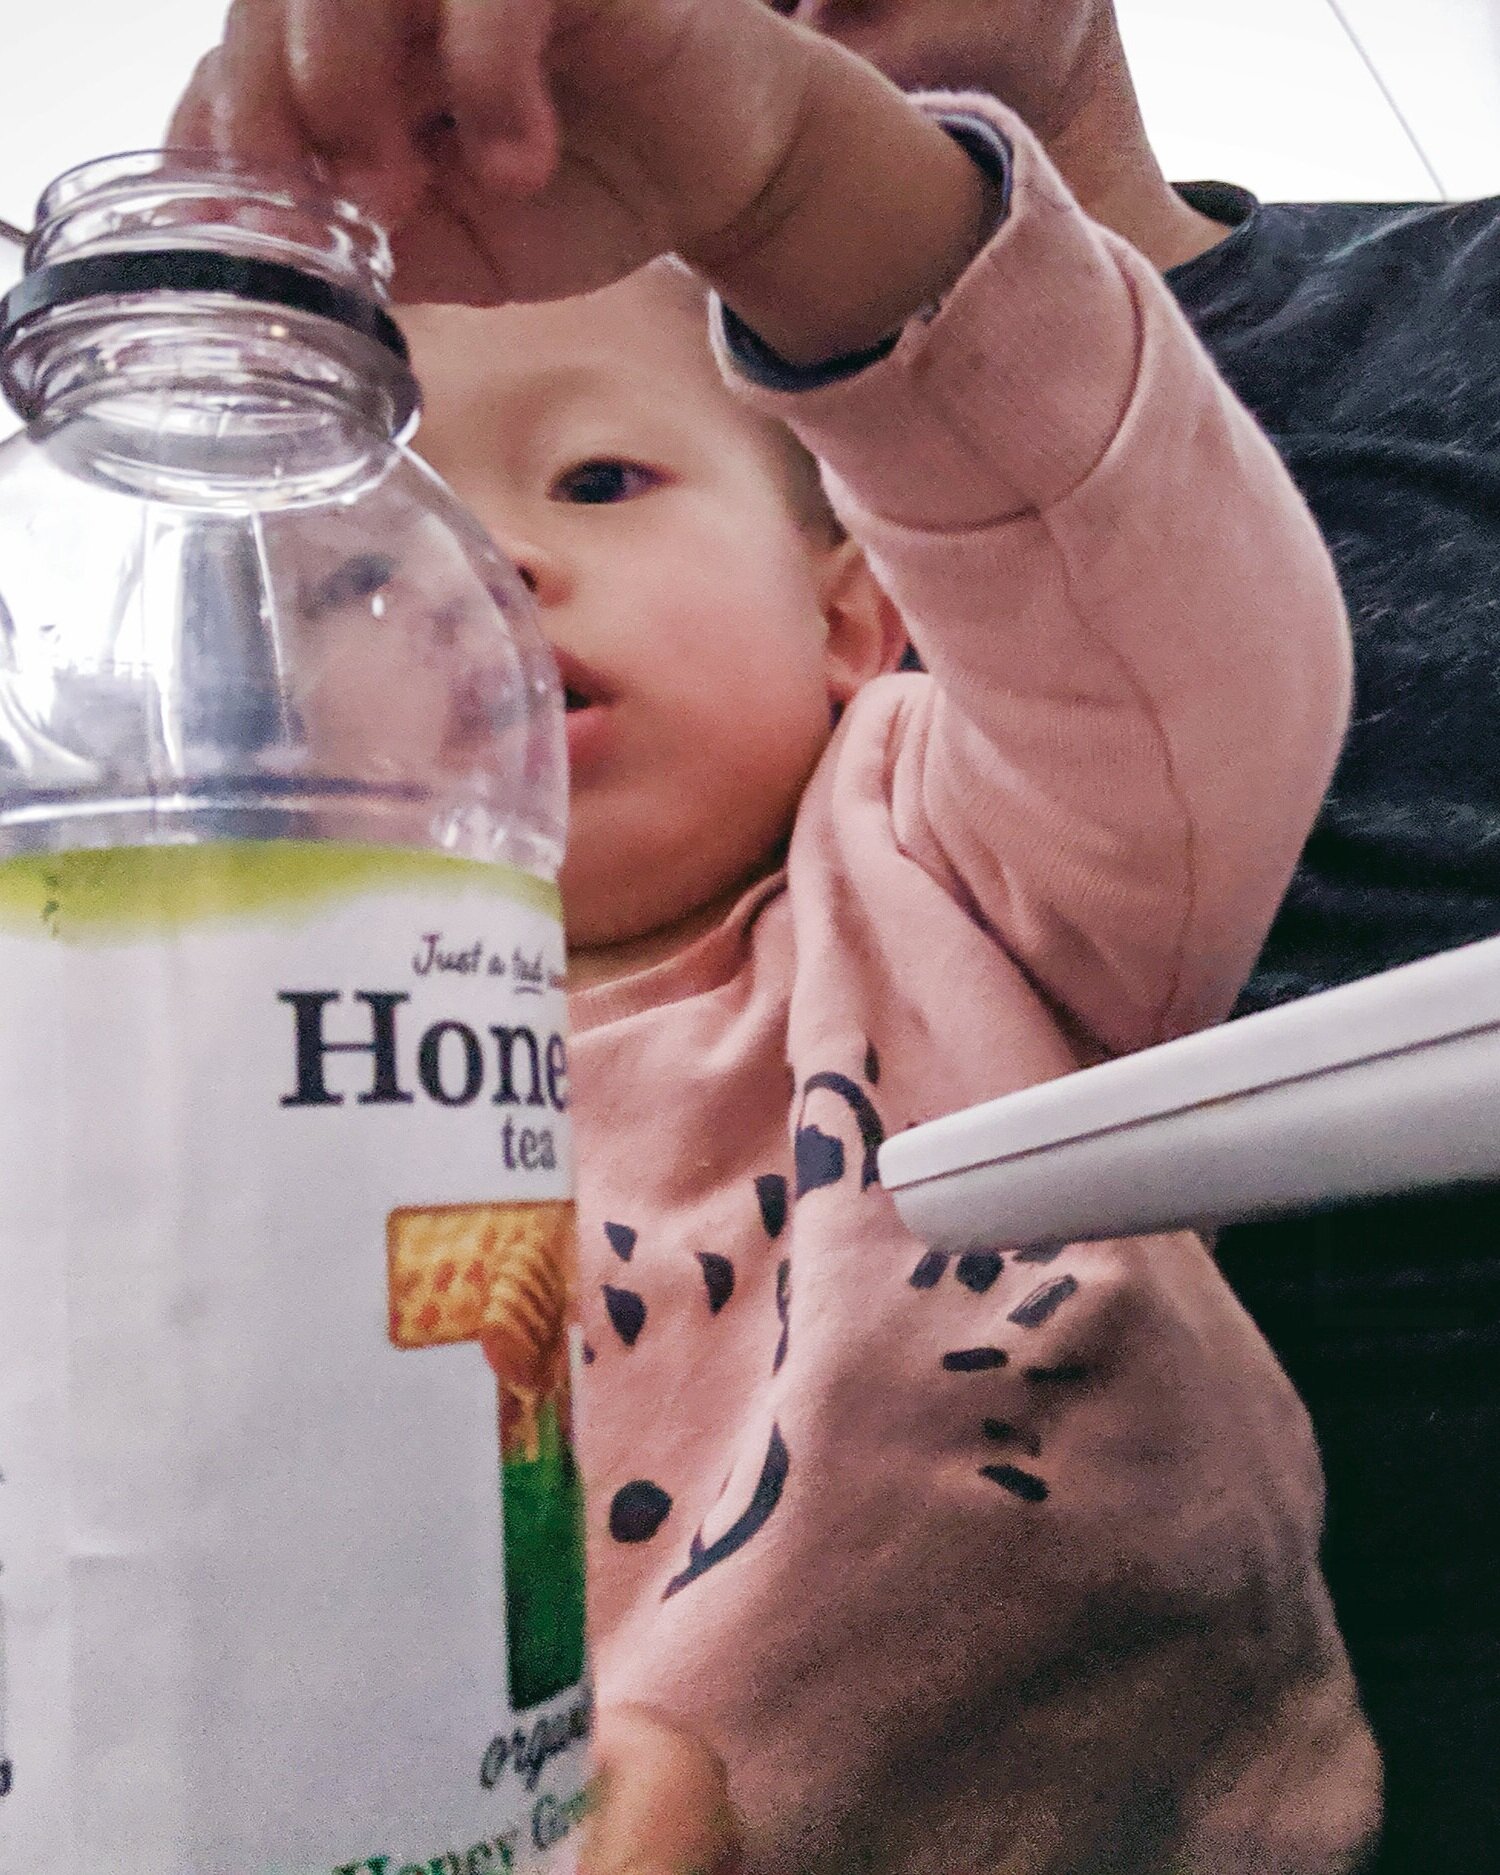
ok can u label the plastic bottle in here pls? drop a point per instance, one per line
(290, 1534)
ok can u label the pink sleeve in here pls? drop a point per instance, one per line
(1139, 643)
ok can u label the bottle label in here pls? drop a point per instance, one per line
(291, 1550)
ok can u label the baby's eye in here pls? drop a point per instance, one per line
(358, 578)
(604, 480)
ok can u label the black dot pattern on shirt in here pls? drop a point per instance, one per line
(627, 1313)
(871, 1127)
(973, 1360)
(1065, 1374)
(929, 1272)
(783, 1310)
(820, 1159)
(1022, 1484)
(978, 1269)
(621, 1240)
(1040, 1253)
(1003, 1432)
(872, 1065)
(718, 1278)
(770, 1195)
(638, 1510)
(1043, 1303)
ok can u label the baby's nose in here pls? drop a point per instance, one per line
(542, 574)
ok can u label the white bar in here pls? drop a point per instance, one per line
(1386, 1085)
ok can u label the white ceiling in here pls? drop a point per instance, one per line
(1323, 100)
(1384, 99)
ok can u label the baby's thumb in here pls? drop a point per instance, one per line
(494, 60)
(663, 1804)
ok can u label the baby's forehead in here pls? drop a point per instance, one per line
(629, 369)
(642, 337)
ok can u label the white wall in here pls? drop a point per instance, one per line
(1280, 94)
(81, 78)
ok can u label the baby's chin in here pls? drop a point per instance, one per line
(622, 917)
(629, 918)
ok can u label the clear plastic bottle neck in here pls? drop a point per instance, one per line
(239, 364)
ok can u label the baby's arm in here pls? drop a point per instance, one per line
(1138, 639)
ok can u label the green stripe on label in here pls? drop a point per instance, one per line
(108, 892)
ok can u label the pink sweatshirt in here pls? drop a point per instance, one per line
(1002, 1562)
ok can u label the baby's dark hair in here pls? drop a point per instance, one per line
(802, 477)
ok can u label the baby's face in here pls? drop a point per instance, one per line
(649, 514)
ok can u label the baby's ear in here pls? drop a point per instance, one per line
(864, 633)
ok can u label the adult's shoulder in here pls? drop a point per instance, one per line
(1308, 306)
(1277, 253)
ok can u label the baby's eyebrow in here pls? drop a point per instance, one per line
(555, 391)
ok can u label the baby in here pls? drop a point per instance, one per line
(1002, 1561)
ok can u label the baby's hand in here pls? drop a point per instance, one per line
(663, 1805)
(530, 149)
(521, 149)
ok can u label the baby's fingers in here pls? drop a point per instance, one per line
(494, 58)
(191, 127)
(349, 67)
(663, 1802)
(243, 105)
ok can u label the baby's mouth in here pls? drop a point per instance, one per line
(583, 689)
(587, 698)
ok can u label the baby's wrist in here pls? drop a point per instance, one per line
(873, 214)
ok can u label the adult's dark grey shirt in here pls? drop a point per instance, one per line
(1366, 339)
(1367, 342)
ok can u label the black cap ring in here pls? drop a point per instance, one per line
(129, 271)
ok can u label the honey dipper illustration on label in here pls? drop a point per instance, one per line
(502, 1275)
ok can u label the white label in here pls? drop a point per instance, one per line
(285, 1241)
